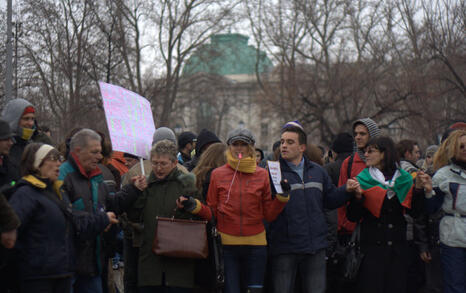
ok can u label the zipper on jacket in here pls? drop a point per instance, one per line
(240, 205)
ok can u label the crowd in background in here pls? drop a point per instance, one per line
(70, 214)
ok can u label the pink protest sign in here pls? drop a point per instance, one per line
(129, 120)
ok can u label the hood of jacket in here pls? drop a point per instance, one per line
(12, 114)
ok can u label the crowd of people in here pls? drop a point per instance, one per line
(67, 213)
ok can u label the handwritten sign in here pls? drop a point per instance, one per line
(276, 174)
(129, 120)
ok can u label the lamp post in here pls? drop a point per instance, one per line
(9, 54)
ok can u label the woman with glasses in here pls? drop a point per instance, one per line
(45, 243)
(387, 193)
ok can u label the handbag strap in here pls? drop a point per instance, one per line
(356, 235)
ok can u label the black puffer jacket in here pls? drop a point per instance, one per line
(88, 192)
(46, 236)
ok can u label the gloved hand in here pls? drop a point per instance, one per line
(285, 186)
(188, 203)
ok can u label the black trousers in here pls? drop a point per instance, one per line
(58, 285)
(384, 269)
(130, 255)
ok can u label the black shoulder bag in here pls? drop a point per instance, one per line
(354, 256)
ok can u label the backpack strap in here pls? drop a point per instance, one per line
(350, 166)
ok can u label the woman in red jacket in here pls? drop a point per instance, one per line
(240, 199)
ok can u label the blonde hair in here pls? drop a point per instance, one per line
(448, 149)
(251, 150)
(211, 158)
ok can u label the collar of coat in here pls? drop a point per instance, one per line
(73, 158)
(284, 165)
(171, 176)
(37, 183)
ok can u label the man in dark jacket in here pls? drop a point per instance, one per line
(298, 237)
(343, 147)
(186, 144)
(8, 219)
(85, 187)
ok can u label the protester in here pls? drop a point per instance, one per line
(7, 177)
(47, 233)
(83, 183)
(342, 146)
(409, 153)
(130, 160)
(203, 141)
(298, 236)
(160, 134)
(387, 191)
(186, 144)
(212, 158)
(428, 164)
(259, 155)
(20, 115)
(449, 194)
(8, 219)
(165, 184)
(239, 197)
(363, 130)
(9, 222)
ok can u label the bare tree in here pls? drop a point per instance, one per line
(182, 27)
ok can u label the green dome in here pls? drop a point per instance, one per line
(227, 54)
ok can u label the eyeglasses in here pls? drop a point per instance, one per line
(370, 151)
(56, 158)
(160, 164)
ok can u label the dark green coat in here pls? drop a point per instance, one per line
(159, 199)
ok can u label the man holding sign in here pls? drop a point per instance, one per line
(298, 235)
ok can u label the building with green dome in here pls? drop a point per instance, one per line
(228, 55)
(219, 89)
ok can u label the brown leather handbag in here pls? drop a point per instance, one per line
(180, 238)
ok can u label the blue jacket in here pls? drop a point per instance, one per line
(301, 227)
(46, 236)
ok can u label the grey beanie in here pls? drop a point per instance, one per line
(163, 133)
(372, 127)
(242, 134)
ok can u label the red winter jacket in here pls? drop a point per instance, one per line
(249, 202)
(344, 225)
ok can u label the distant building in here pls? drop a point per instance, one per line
(219, 90)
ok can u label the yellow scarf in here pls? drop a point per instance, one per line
(246, 165)
(26, 133)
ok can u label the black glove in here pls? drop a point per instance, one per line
(189, 204)
(285, 186)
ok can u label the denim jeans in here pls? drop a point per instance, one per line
(311, 267)
(85, 284)
(244, 264)
(454, 268)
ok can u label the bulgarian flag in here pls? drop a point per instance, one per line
(375, 188)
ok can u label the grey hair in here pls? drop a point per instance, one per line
(164, 147)
(82, 138)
